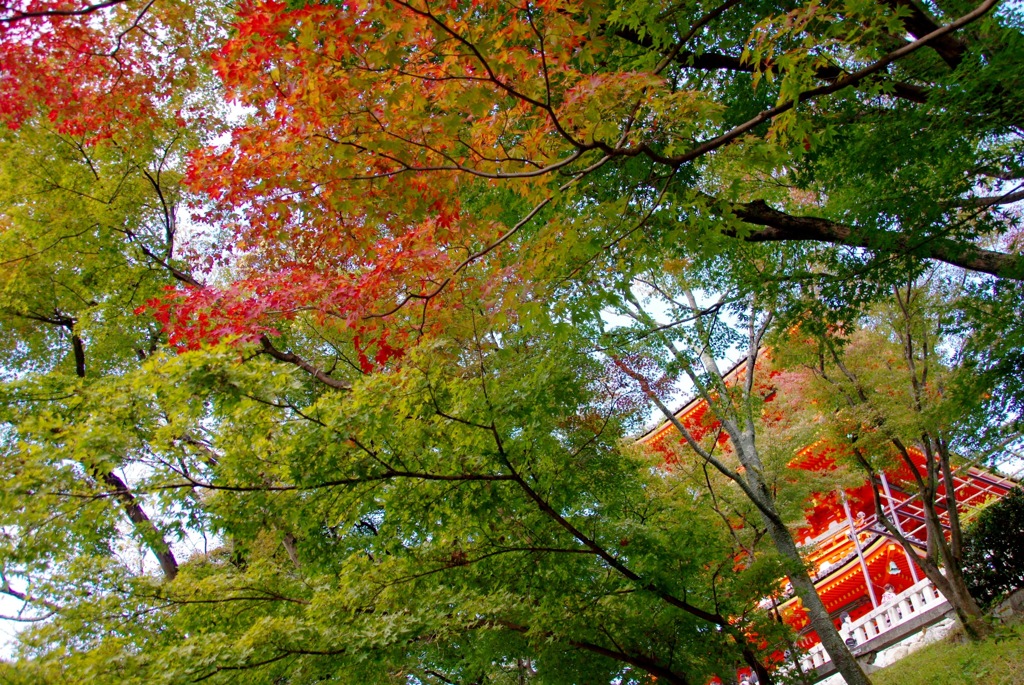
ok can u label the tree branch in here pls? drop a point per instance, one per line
(716, 61)
(267, 347)
(780, 226)
(646, 663)
(161, 550)
(918, 24)
(88, 9)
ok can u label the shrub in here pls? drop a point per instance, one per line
(994, 550)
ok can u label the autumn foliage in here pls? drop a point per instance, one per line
(370, 295)
(93, 74)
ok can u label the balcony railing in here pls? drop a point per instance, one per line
(908, 605)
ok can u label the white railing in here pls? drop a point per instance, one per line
(907, 605)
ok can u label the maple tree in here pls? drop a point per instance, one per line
(889, 386)
(93, 69)
(102, 429)
(374, 122)
(97, 115)
(402, 462)
(679, 337)
(470, 515)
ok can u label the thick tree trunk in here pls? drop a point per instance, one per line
(764, 676)
(950, 583)
(954, 589)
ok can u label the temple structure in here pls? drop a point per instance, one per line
(875, 593)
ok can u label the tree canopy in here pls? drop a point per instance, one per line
(313, 369)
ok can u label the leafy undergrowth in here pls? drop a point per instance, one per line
(997, 660)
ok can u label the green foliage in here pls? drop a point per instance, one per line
(420, 522)
(992, 353)
(994, 549)
(486, 185)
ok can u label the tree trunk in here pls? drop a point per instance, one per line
(150, 533)
(954, 588)
(833, 643)
(951, 584)
(968, 612)
(821, 622)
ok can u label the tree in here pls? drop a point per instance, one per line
(97, 123)
(326, 503)
(402, 168)
(692, 340)
(562, 102)
(464, 515)
(886, 388)
(79, 224)
(992, 550)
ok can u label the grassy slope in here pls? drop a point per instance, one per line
(998, 660)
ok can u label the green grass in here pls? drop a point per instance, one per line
(997, 660)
